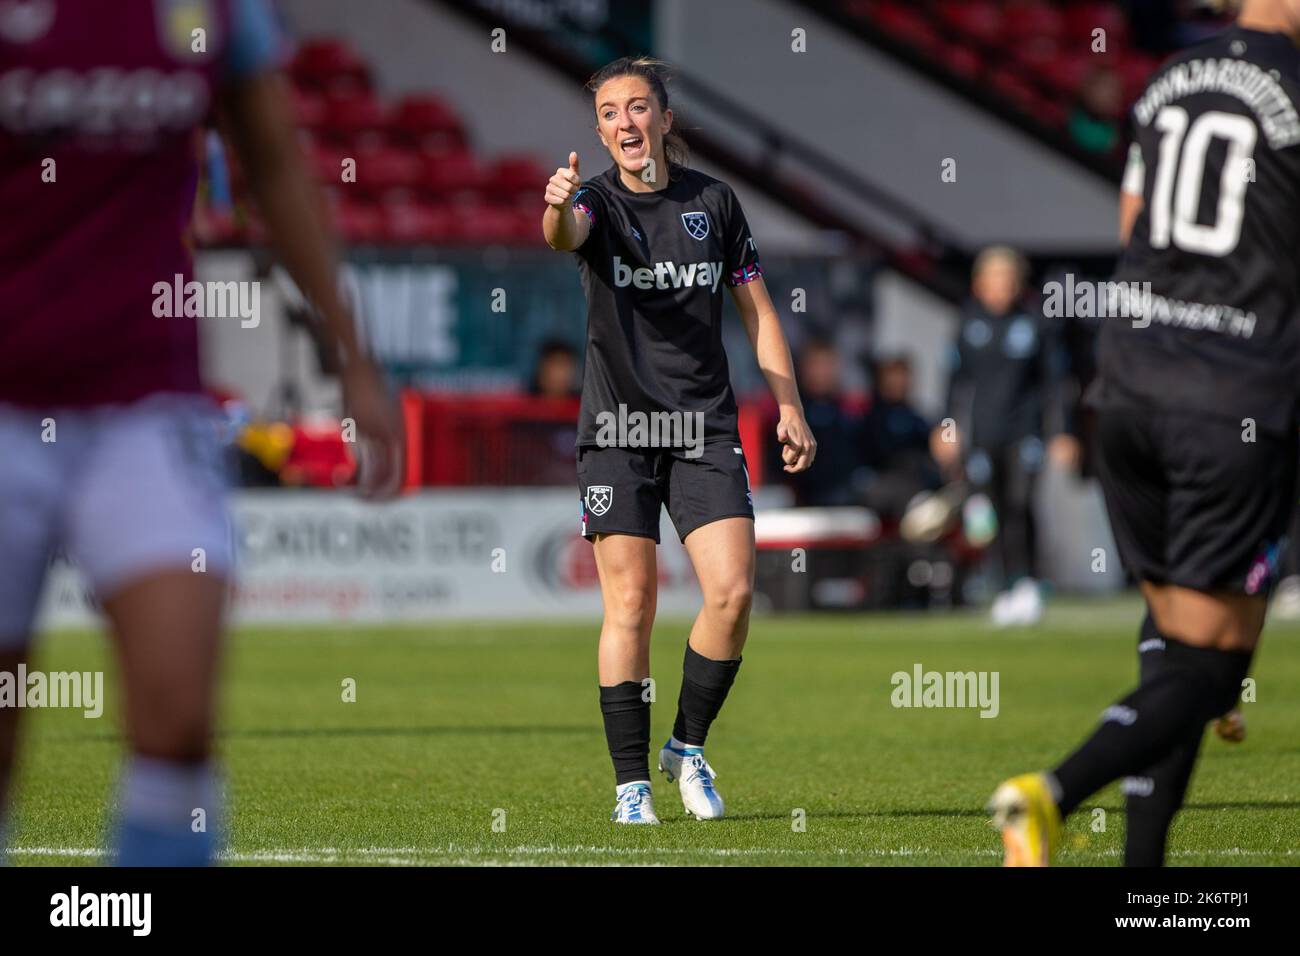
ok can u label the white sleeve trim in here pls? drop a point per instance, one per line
(1134, 171)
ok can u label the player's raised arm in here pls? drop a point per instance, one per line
(258, 120)
(564, 226)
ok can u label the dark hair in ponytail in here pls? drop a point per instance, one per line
(655, 73)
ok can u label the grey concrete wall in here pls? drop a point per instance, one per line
(873, 114)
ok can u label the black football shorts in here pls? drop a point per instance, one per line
(1192, 502)
(623, 489)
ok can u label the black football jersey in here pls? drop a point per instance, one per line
(1006, 377)
(1218, 329)
(654, 268)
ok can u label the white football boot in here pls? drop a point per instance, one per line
(1022, 606)
(1027, 598)
(635, 803)
(1003, 611)
(694, 778)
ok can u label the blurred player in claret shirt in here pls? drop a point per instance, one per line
(99, 148)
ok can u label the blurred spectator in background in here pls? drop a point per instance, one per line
(1006, 392)
(840, 472)
(547, 444)
(896, 440)
(1097, 115)
(556, 373)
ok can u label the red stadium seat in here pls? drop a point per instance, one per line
(1135, 69)
(326, 161)
(358, 221)
(416, 180)
(310, 109)
(1052, 112)
(488, 223)
(1033, 21)
(910, 27)
(1037, 54)
(511, 177)
(981, 20)
(963, 61)
(452, 174)
(1066, 73)
(382, 168)
(427, 122)
(527, 228)
(1081, 19)
(420, 222)
(329, 65)
(354, 117)
(1015, 88)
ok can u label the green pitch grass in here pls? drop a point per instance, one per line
(474, 744)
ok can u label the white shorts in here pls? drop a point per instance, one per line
(122, 490)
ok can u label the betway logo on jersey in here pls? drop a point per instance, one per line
(668, 275)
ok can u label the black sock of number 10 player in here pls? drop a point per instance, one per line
(1193, 685)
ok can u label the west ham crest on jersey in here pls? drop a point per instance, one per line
(696, 223)
(599, 498)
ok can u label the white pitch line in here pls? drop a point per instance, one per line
(405, 854)
(412, 856)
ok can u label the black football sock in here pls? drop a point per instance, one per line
(1193, 685)
(627, 730)
(705, 684)
(1151, 650)
(1152, 797)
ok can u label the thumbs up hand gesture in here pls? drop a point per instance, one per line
(564, 185)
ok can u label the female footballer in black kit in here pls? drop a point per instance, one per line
(655, 242)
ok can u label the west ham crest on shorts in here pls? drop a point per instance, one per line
(696, 223)
(599, 498)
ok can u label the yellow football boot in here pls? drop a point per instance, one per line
(1024, 810)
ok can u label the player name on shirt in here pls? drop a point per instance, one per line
(1254, 86)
